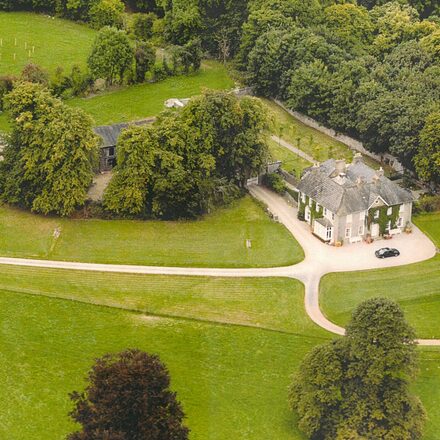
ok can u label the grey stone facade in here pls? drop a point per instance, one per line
(346, 203)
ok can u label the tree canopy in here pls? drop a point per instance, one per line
(51, 155)
(189, 160)
(358, 387)
(111, 55)
(372, 73)
(128, 397)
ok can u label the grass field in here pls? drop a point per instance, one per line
(218, 240)
(231, 379)
(291, 162)
(318, 145)
(415, 287)
(430, 225)
(143, 100)
(51, 42)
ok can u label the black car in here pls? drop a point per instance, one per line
(387, 252)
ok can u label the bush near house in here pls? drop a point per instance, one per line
(275, 182)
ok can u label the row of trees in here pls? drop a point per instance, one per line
(189, 161)
(185, 164)
(373, 74)
(98, 13)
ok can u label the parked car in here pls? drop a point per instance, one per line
(387, 252)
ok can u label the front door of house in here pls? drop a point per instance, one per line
(375, 230)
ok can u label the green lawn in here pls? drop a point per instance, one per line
(56, 42)
(291, 162)
(430, 225)
(318, 145)
(218, 240)
(415, 287)
(143, 100)
(232, 379)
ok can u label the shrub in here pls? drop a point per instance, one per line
(107, 13)
(275, 182)
(428, 204)
(143, 26)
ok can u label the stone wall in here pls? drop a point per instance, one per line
(352, 143)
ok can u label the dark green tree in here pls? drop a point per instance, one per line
(190, 160)
(427, 159)
(111, 55)
(145, 57)
(49, 162)
(358, 387)
(143, 26)
(128, 397)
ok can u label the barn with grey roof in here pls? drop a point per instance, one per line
(109, 135)
(346, 203)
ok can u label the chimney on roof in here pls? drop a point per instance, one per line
(379, 174)
(357, 158)
(340, 166)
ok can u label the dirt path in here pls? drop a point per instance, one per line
(293, 149)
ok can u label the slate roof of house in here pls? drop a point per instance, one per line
(110, 133)
(346, 189)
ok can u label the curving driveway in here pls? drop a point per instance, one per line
(320, 259)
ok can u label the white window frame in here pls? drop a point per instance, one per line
(400, 222)
(376, 214)
(303, 197)
(348, 232)
(307, 214)
(389, 210)
(349, 218)
(361, 230)
(401, 208)
(318, 206)
(329, 232)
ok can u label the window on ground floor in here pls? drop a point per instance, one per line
(307, 214)
(361, 230)
(329, 232)
(347, 232)
(400, 222)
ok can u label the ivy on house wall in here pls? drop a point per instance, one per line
(384, 218)
(314, 211)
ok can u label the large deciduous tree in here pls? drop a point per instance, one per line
(128, 397)
(358, 387)
(111, 56)
(49, 162)
(427, 159)
(189, 161)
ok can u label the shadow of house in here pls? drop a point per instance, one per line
(109, 135)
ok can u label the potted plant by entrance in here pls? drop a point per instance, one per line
(408, 228)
